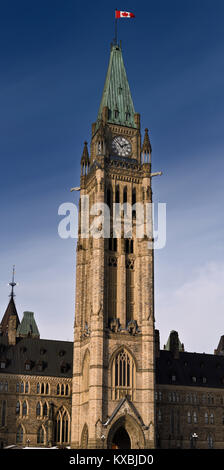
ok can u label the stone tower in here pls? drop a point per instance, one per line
(113, 375)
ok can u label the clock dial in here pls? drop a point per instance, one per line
(121, 146)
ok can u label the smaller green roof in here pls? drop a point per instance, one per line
(173, 340)
(28, 326)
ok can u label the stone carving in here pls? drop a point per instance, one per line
(115, 325)
(132, 327)
(86, 332)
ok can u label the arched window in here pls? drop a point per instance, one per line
(22, 387)
(40, 435)
(38, 409)
(38, 387)
(62, 427)
(24, 409)
(42, 388)
(26, 387)
(17, 408)
(47, 389)
(66, 390)
(206, 418)
(195, 419)
(17, 387)
(189, 417)
(123, 375)
(58, 389)
(19, 435)
(45, 409)
(211, 418)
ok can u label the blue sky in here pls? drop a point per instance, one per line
(54, 57)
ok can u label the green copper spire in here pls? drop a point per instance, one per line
(28, 326)
(116, 92)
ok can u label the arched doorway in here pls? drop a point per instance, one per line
(125, 433)
(121, 439)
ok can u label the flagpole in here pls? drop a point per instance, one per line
(115, 39)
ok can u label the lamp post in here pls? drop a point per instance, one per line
(193, 440)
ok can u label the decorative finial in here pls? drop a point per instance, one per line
(13, 283)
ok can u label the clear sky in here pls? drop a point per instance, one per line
(54, 57)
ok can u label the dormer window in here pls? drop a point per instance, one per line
(194, 379)
(127, 116)
(116, 113)
(3, 364)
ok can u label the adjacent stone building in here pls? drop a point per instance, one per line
(35, 384)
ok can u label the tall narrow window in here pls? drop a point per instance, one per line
(123, 375)
(129, 290)
(24, 409)
(45, 409)
(17, 408)
(19, 435)
(210, 441)
(62, 427)
(125, 195)
(133, 203)
(40, 435)
(112, 288)
(117, 195)
(38, 409)
(85, 377)
(3, 417)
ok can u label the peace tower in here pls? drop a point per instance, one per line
(113, 373)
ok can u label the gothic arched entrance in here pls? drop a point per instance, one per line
(126, 433)
(121, 439)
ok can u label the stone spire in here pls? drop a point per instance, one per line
(116, 96)
(10, 310)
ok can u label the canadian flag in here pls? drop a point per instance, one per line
(124, 14)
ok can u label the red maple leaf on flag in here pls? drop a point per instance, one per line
(124, 14)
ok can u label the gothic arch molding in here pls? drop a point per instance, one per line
(118, 350)
(84, 437)
(133, 429)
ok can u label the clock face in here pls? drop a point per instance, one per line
(121, 146)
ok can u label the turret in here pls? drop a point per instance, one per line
(146, 149)
(85, 160)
